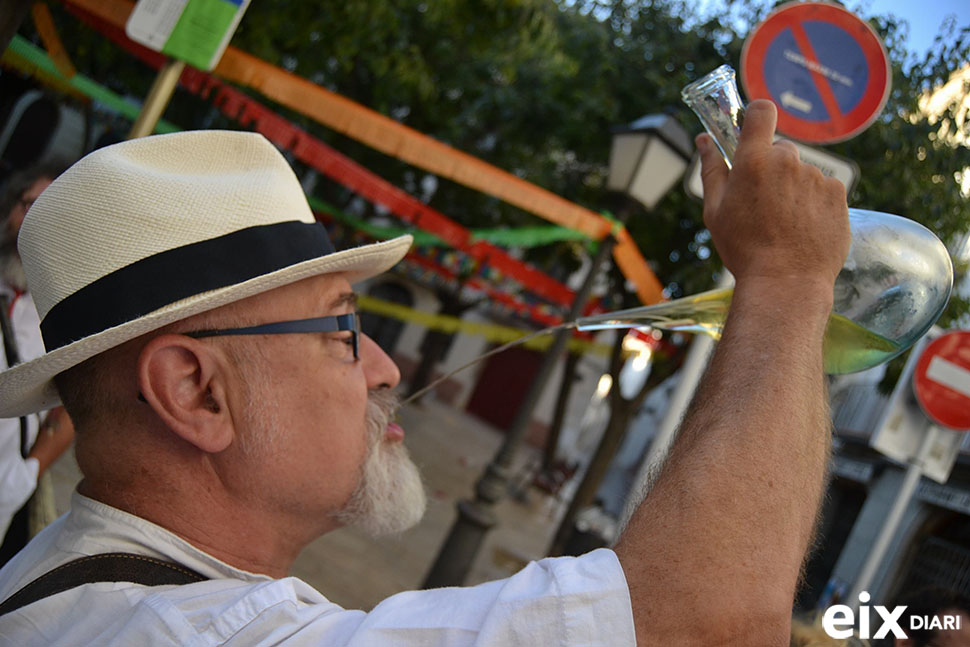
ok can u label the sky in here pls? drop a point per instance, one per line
(924, 16)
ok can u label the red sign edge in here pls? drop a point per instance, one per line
(920, 368)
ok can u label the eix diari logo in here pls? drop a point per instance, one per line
(839, 621)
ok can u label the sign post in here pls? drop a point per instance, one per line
(940, 374)
(823, 66)
(158, 98)
(914, 471)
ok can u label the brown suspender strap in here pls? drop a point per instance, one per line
(109, 567)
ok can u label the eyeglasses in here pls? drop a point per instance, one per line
(335, 323)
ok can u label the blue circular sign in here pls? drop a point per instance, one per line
(823, 67)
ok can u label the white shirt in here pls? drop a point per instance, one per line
(554, 602)
(18, 476)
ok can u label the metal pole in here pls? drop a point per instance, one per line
(889, 527)
(476, 517)
(158, 98)
(690, 374)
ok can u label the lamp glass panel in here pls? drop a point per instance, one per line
(660, 168)
(624, 155)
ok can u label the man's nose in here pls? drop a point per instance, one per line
(379, 369)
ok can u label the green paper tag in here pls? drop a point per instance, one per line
(200, 31)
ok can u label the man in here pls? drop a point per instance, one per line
(226, 452)
(27, 445)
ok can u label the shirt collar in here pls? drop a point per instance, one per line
(94, 527)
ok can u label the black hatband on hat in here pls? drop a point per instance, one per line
(166, 277)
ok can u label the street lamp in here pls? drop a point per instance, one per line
(647, 158)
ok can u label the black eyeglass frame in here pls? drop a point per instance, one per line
(333, 323)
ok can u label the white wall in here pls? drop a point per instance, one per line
(464, 349)
(467, 347)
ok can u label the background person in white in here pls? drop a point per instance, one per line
(229, 454)
(19, 476)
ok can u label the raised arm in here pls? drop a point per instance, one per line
(713, 554)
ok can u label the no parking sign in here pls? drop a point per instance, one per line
(824, 68)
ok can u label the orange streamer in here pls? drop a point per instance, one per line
(390, 137)
(44, 23)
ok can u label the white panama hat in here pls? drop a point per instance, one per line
(147, 232)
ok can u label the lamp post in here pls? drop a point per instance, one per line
(647, 158)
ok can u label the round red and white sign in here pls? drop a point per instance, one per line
(942, 380)
(823, 66)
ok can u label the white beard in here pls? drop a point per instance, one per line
(390, 496)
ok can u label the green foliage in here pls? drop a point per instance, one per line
(534, 87)
(912, 162)
(529, 85)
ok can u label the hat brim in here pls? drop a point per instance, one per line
(27, 388)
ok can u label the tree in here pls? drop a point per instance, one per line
(912, 162)
(533, 86)
(910, 166)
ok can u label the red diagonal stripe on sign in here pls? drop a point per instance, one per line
(821, 82)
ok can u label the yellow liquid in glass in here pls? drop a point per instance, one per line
(848, 347)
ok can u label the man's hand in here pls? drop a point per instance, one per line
(54, 437)
(773, 217)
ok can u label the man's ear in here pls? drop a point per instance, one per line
(184, 382)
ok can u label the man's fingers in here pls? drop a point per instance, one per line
(758, 129)
(714, 172)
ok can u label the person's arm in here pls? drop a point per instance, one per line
(713, 554)
(53, 438)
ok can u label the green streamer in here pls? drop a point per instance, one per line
(519, 237)
(36, 56)
(505, 237)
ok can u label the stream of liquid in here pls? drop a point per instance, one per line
(848, 347)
